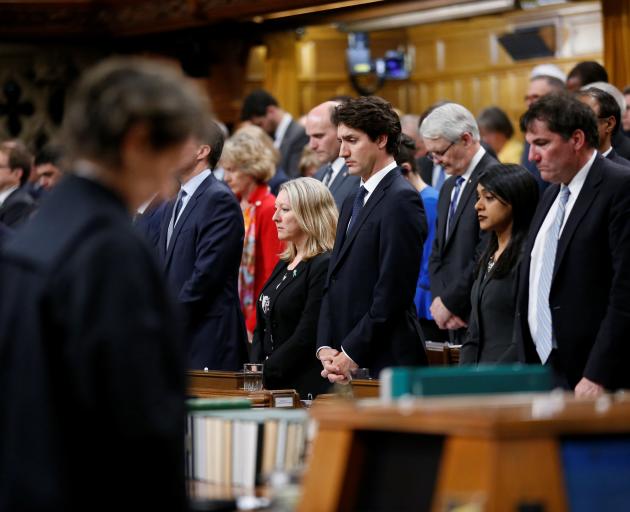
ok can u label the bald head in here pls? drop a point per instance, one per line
(410, 124)
(322, 133)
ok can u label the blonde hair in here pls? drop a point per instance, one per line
(316, 214)
(250, 155)
(258, 133)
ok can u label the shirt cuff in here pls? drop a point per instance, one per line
(320, 348)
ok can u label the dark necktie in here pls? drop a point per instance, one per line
(327, 175)
(178, 205)
(453, 207)
(356, 206)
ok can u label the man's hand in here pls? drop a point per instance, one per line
(326, 355)
(455, 322)
(588, 389)
(338, 370)
(440, 313)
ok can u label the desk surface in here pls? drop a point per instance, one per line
(502, 416)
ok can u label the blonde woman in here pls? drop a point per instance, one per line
(249, 164)
(288, 306)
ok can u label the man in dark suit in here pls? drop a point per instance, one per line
(574, 294)
(92, 377)
(451, 136)
(201, 241)
(323, 141)
(368, 316)
(16, 204)
(608, 117)
(262, 109)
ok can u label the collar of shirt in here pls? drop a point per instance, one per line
(471, 167)
(281, 130)
(373, 181)
(337, 165)
(6, 193)
(607, 152)
(142, 208)
(191, 186)
(575, 186)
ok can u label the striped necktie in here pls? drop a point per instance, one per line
(544, 337)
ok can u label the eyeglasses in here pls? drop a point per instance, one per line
(439, 154)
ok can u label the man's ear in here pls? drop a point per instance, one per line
(579, 139)
(204, 152)
(381, 141)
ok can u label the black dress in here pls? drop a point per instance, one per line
(286, 329)
(491, 324)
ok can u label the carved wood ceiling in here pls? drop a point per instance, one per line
(58, 19)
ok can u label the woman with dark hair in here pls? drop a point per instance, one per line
(506, 200)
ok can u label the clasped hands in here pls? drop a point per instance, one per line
(444, 318)
(337, 365)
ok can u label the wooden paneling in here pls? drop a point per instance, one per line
(460, 61)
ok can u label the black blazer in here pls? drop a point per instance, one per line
(491, 326)
(453, 260)
(17, 208)
(617, 158)
(90, 350)
(294, 317)
(590, 288)
(425, 164)
(291, 148)
(368, 307)
(201, 267)
(344, 185)
(621, 143)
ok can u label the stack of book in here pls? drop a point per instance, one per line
(240, 447)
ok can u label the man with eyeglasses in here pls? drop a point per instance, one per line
(451, 136)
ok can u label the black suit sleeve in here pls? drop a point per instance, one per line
(608, 357)
(287, 359)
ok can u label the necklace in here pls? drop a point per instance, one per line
(490, 263)
(288, 273)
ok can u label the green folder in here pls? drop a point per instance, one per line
(216, 404)
(466, 380)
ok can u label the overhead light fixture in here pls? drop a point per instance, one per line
(422, 17)
(314, 9)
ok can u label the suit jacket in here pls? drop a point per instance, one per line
(621, 143)
(84, 314)
(278, 179)
(292, 325)
(454, 258)
(491, 326)
(425, 164)
(291, 148)
(17, 208)
(201, 266)
(368, 307)
(617, 158)
(149, 223)
(590, 290)
(343, 186)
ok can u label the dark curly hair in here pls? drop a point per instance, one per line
(372, 115)
(563, 114)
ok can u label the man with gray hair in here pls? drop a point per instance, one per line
(451, 136)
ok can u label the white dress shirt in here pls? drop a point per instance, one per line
(535, 270)
(6, 193)
(337, 165)
(281, 129)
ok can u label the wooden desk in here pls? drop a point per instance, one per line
(487, 450)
